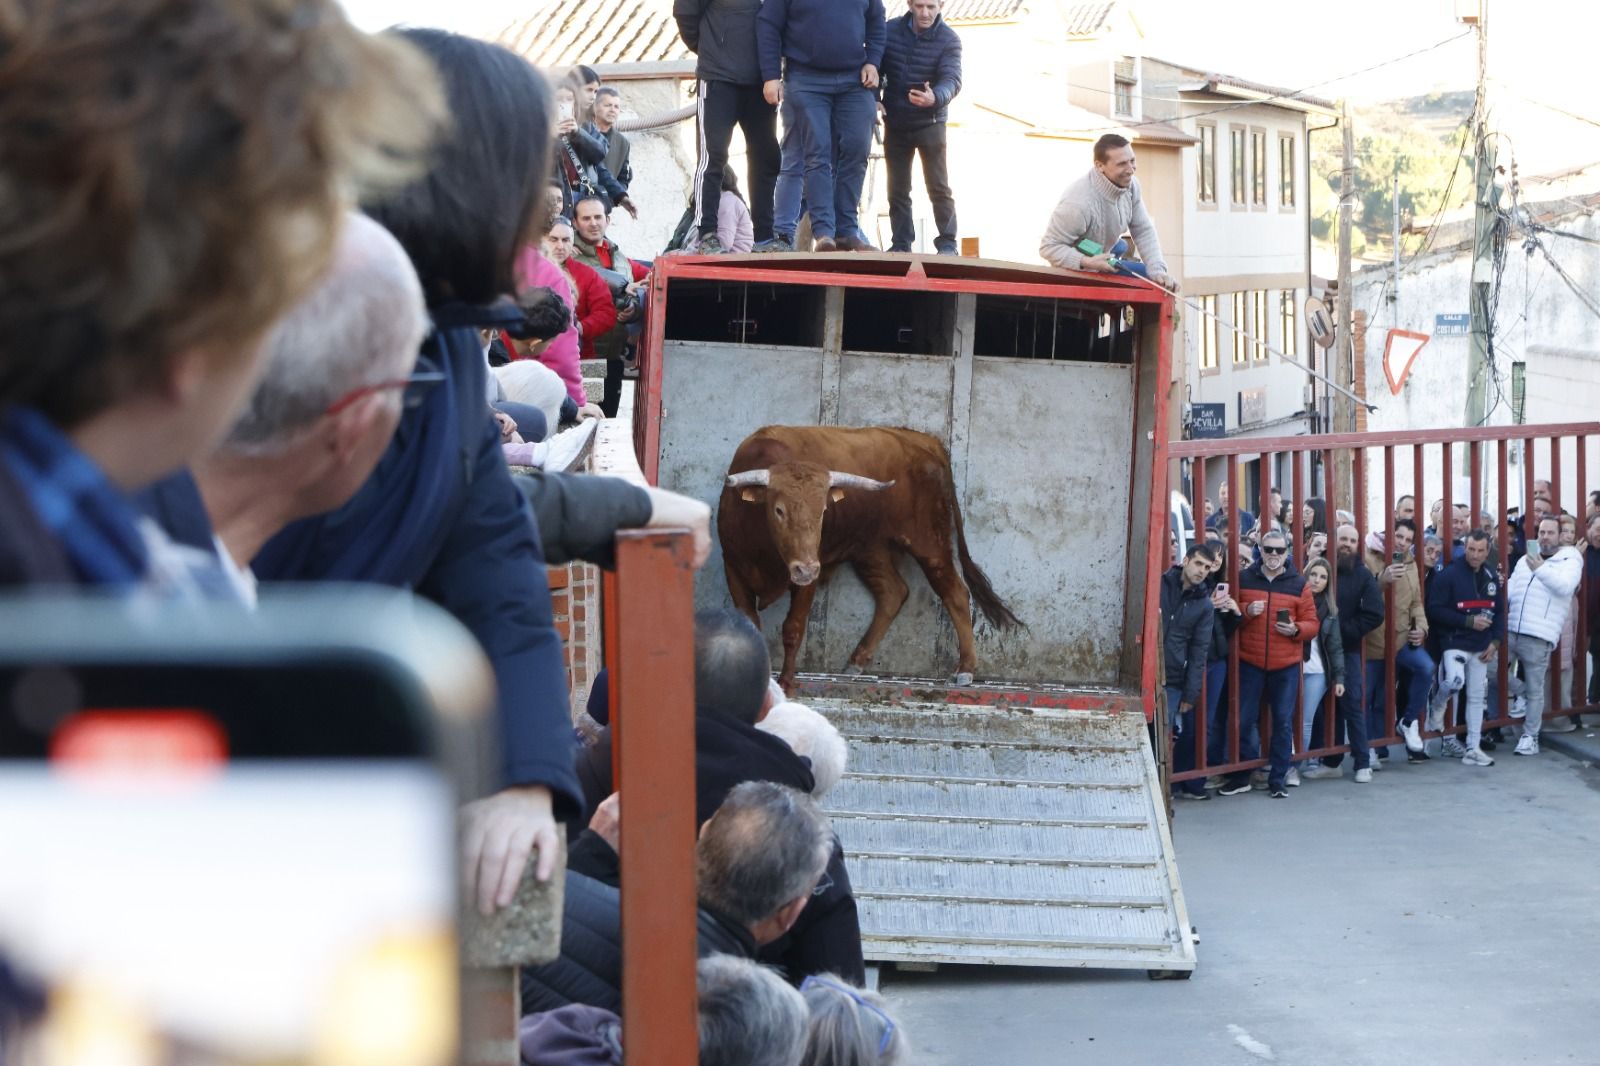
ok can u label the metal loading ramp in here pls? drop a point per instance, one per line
(1004, 835)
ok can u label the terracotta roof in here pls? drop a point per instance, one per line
(1214, 82)
(983, 10)
(1082, 20)
(1087, 20)
(564, 32)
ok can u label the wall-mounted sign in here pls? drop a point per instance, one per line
(1452, 325)
(1400, 350)
(1252, 406)
(1208, 421)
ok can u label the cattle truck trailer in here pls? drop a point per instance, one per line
(1019, 819)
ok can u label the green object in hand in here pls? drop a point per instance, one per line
(1088, 247)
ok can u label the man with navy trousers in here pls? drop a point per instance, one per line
(824, 55)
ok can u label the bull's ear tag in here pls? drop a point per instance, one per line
(836, 495)
(750, 494)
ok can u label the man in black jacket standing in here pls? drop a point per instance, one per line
(1360, 604)
(921, 74)
(1186, 623)
(723, 34)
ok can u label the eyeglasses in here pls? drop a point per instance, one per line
(888, 1023)
(423, 379)
(1267, 550)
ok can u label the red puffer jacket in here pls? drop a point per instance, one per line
(1260, 644)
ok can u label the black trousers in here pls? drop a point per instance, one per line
(723, 105)
(898, 148)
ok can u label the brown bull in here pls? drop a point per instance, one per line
(883, 492)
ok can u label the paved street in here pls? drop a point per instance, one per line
(1440, 915)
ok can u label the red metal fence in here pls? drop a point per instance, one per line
(1464, 466)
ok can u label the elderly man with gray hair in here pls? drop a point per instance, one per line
(758, 860)
(338, 373)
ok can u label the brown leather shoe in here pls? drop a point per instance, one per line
(853, 244)
(824, 244)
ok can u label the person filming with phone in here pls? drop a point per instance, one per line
(1279, 618)
(921, 75)
(1085, 230)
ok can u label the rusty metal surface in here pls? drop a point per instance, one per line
(1006, 835)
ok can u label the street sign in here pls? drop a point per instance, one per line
(1452, 325)
(1319, 322)
(1400, 350)
(1252, 406)
(1208, 421)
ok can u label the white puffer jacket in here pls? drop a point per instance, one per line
(1538, 600)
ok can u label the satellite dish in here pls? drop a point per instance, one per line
(1319, 322)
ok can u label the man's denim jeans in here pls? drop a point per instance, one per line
(1280, 688)
(836, 114)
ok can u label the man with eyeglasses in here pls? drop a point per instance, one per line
(322, 413)
(1279, 619)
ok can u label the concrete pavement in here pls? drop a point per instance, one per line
(1442, 914)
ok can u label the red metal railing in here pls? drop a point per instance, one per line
(648, 611)
(1439, 462)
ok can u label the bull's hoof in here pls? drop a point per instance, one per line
(964, 678)
(852, 669)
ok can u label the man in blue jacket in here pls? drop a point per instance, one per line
(1467, 615)
(825, 54)
(921, 75)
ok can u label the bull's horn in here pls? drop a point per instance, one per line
(749, 477)
(838, 480)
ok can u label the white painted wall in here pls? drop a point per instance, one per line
(1540, 322)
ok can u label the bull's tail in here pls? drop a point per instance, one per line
(983, 593)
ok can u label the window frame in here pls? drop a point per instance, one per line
(1208, 345)
(1207, 165)
(1239, 307)
(1289, 322)
(1238, 174)
(1288, 174)
(1259, 323)
(1258, 168)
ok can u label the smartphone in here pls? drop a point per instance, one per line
(1400, 558)
(1222, 587)
(1283, 614)
(566, 111)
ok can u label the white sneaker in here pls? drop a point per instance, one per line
(570, 447)
(1559, 724)
(1519, 707)
(1364, 776)
(1292, 779)
(1373, 762)
(1527, 745)
(1319, 770)
(1476, 757)
(1452, 748)
(1411, 735)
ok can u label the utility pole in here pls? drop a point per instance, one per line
(1486, 192)
(1394, 284)
(1344, 411)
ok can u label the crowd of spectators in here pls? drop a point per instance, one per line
(245, 344)
(1312, 632)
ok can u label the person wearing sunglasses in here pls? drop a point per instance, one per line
(850, 1026)
(1279, 618)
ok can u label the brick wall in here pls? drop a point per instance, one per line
(575, 601)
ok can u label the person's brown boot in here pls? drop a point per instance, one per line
(824, 244)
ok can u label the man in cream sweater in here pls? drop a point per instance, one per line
(1101, 206)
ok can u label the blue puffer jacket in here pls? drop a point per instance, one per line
(911, 60)
(1455, 595)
